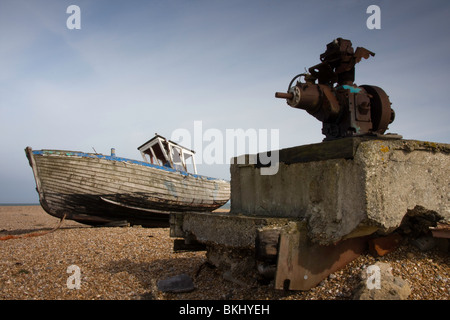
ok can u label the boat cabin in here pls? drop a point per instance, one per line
(163, 152)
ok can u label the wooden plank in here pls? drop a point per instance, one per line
(122, 169)
(117, 165)
(56, 185)
(219, 190)
(113, 184)
(158, 177)
(302, 265)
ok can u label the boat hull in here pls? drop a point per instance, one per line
(98, 189)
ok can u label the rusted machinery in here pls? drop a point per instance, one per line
(345, 109)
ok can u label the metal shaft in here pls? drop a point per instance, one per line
(284, 95)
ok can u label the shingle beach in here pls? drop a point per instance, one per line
(122, 263)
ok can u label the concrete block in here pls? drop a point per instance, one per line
(348, 187)
(234, 243)
(213, 229)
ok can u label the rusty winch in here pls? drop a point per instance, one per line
(344, 108)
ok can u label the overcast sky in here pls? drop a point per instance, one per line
(136, 68)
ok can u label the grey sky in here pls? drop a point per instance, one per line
(140, 67)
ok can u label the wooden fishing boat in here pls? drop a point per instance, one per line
(97, 189)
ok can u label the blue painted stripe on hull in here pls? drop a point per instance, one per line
(116, 159)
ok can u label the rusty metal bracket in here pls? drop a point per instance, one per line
(302, 264)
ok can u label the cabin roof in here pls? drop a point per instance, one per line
(159, 137)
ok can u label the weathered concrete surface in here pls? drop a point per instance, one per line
(368, 186)
(230, 240)
(335, 191)
(233, 242)
(215, 229)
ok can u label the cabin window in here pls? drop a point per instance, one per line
(189, 163)
(148, 157)
(177, 157)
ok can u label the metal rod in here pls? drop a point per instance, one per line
(284, 95)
